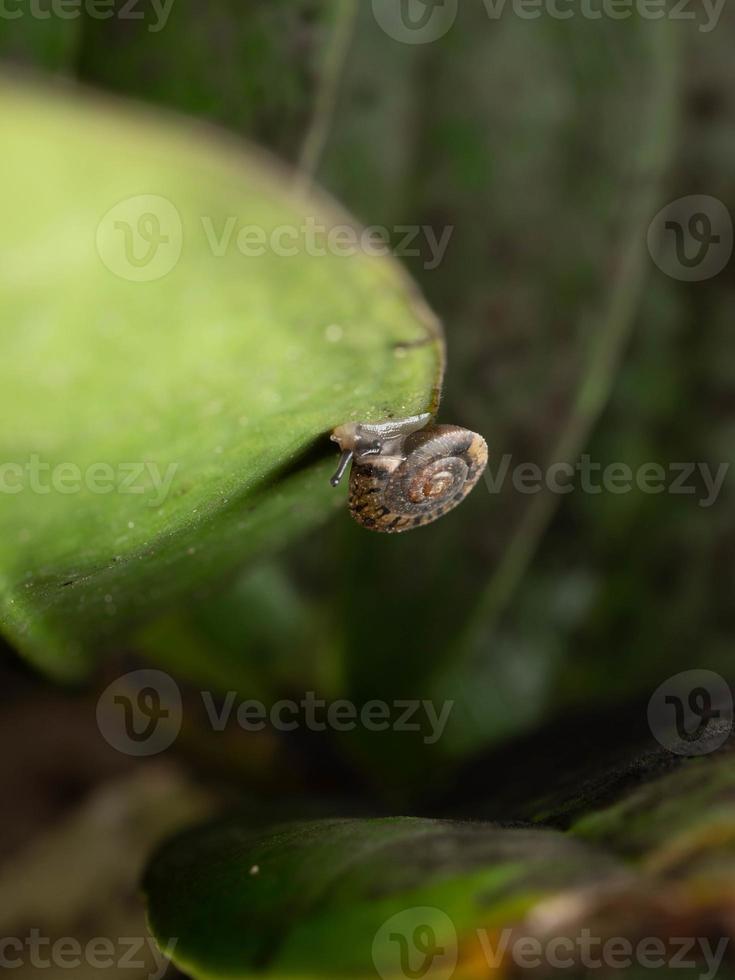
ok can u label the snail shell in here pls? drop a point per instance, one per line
(406, 472)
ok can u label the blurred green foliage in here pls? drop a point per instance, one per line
(547, 147)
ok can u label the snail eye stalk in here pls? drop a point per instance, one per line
(344, 462)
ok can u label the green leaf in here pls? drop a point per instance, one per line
(312, 899)
(219, 373)
(327, 898)
(675, 820)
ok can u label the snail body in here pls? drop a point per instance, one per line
(407, 472)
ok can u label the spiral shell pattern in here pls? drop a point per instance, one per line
(439, 466)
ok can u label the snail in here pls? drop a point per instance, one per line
(407, 472)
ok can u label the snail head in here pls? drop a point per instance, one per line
(358, 440)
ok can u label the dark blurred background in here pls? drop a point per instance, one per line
(548, 146)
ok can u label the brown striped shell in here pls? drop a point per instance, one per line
(407, 473)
